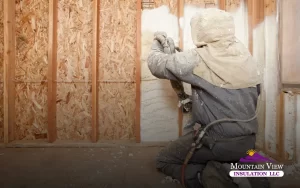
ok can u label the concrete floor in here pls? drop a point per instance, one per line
(88, 167)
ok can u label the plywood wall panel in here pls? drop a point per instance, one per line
(31, 111)
(74, 111)
(172, 5)
(31, 68)
(116, 111)
(74, 64)
(116, 67)
(117, 40)
(202, 3)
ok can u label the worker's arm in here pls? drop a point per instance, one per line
(172, 66)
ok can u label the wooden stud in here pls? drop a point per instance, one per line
(9, 69)
(95, 71)
(137, 123)
(52, 66)
(180, 15)
(222, 4)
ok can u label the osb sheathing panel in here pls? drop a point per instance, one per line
(233, 5)
(270, 7)
(201, 3)
(117, 40)
(31, 111)
(117, 64)
(74, 111)
(116, 104)
(171, 4)
(1, 71)
(31, 66)
(74, 64)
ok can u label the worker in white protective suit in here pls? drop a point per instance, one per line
(224, 80)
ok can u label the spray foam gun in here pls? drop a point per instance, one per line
(169, 48)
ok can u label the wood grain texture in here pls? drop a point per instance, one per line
(181, 41)
(31, 66)
(137, 123)
(9, 69)
(1, 72)
(95, 59)
(117, 63)
(74, 62)
(52, 67)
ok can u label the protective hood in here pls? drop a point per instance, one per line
(226, 62)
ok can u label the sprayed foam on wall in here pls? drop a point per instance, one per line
(271, 78)
(298, 130)
(259, 57)
(290, 106)
(189, 12)
(159, 112)
(240, 17)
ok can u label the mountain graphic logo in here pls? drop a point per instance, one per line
(254, 157)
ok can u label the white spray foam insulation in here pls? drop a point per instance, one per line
(189, 12)
(259, 57)
(240, 16)
(290, 106)
(297, 128)
(159, 112)
(271, 80)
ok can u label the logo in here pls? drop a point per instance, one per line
(254, 157)
(256, 165)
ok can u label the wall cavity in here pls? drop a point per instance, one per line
(298, 130)
(159, 112)
(240, 16)
(290, 106)
(259, 57)
(271, 80)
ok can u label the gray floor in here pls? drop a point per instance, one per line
(88, 167)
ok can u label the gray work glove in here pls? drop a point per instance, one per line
(167, 42)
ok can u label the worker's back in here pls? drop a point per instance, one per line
(212, 103)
